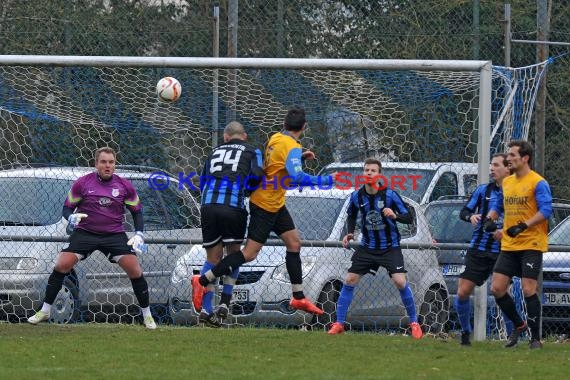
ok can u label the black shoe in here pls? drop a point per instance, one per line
(534, 344)
(210, 320)
(222, 311)
(465, 338)
(515, 334)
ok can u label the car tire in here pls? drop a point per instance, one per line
(327, 302)
(434, 310)
(66, 308)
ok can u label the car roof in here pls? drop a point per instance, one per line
(405, 165)
(71, 172)
(333, 193)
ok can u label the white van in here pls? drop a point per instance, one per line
(421, 181)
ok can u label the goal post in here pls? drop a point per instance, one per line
(58, 109)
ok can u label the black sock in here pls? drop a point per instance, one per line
(295, 271)
(508, 307)
(140, 287)
(294, 268)
(55, 281)
(226, 298)
(533, 318)
(225, 267)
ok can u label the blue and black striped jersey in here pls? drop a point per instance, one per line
(378, 232)
(479, 203)
(232, 169)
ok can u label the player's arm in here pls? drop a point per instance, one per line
(134, 205)
(351, 213)
(468, 210)
(73, 199)
(295, 170)
(496, 209)
(256, 170)
(400, 211)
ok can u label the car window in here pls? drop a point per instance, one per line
(445, 225)
(559, 213)
(314, 217)
(163, 210)
(469, 183)
(561, 234)
(32, 201)
(446, 185)
(415, 181)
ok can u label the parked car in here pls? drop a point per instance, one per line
(263, 291)
(422, 182)
(446, 227)
(31, 200)
(556, 282)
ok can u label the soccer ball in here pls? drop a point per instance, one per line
(168, 89)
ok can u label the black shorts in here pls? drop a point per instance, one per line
(222, 223)
(262, 222)
(84, 243)
(366, 260)
(478, 266)
(519, 263)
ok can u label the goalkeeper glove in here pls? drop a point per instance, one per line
(513, 231)
(74, 219)
(137, 241)
(490, 225)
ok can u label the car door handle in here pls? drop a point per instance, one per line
(171, 246)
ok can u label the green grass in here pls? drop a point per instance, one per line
(100, 351)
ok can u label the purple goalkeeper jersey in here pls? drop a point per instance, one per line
(103, 201)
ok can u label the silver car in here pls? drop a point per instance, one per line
(33, 233)
(263, 290)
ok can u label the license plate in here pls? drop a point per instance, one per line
(557, 298)
(241, 295)
(452, 269)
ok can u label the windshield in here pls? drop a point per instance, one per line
(399, 179)
(314, 217)
(445, 225)
(32, 201)
(561, 234)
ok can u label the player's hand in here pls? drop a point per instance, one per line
(74, 219)
(513, 231)
(346, 239)
(389, 213)
(498, 235)
(308, 155)
(137, 241)
(475, 219)
(489, 225)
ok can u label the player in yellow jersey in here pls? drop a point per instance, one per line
(283, 170)
(527, 204)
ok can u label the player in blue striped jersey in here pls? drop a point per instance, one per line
(233, 167)
(379, 210)
(484, 247)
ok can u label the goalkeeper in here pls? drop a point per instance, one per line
(95, 207)
(527, 204)
(484, 247)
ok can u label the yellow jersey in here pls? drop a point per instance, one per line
(522, 199)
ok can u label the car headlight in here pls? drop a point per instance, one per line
(280, 272)
(27, 263)
(181, 272)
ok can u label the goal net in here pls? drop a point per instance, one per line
(55, 111)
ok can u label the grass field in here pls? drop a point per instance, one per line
(104, 351)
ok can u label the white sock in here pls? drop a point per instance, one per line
(46, 308)
(146, 311)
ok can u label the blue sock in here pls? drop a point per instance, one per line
(229, 285)
(344, 300)
(207, 301)
(408, 301)
(463, 308)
